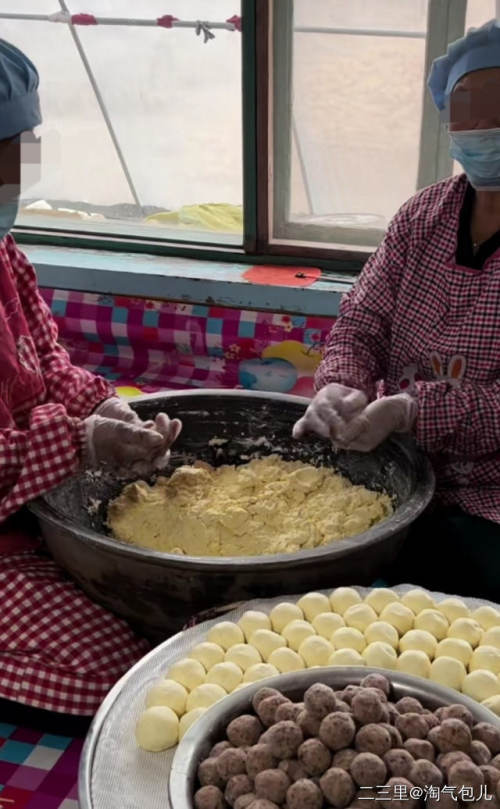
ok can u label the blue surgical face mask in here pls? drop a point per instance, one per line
(478, 151)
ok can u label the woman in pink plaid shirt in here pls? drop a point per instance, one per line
(421, 328)
(58, 650)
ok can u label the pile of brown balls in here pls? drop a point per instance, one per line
(337, 748)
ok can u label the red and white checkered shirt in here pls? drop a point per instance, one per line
(418, 322)
(43, 397)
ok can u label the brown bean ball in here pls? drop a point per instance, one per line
(319, 700)
(285, 739)
(431, 719)
(399, 763)
(491, 777)
(315, 756)
(236, 786)
(377, 692)
(304, 794)
(219, 748)
(231, 762)
(337, 730)
(244, 801)
(342, 706)
(308, 723)
(445, 801)
(377, 681)
(288, 711)
(259, 757)
(349, 692)
(272, 785)
(465, 774)
(267, 708)
(420, 748)
(367, 707)
(409, 705)
(209, 797)
(446, 760)
(397, 786)
(392, 711)
(396, 738)
(244, 731)
(363, 796)
(425, 774)
(293, 768)
(451, 734)
(208, 774)
(479, 753)
(344, 758)
(489, 734)
(495, 762)
(262, 803)
(412, 726)
(368, 770)
(458, 711)
(338, 787)
(373, 739)
(262, 694)
(491, 802)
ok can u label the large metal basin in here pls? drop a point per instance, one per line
(158, 592)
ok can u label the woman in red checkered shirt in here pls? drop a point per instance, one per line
(58, 650)
(416, 347)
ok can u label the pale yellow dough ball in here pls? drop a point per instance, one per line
(348, 638)
(315, 651)
(346, 657)
(486, 657)
(434, 622)
(326, 623)
(399, 616)
(313, 604)
(421, 640)
(283, 613)
(414, 662)
(227, 675)
(417, 600)
(382, 631)
(205, 695)
(157, 729)
(453, 608)
(492, 637)
(380, 597)
(467, 629)
(480, 685)
(296, 632)
(448, 671)
(266, 641)
(261, 671)
(286, 660)
(251, 621)
(344, 597)
(187, 672)
(360, 616)
(208, 654)
(493, 704)
(189, 719)
(486, 617)
(243, 655)
(455, 647)
(225, 634)
(380, 655)
(169, 693)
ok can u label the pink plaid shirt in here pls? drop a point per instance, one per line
(418, 322)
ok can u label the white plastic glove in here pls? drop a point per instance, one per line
(116, 408)
(121, 445)
(377, 421)
(169, 429)
(330, 410)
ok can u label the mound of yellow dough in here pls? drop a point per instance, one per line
(265, 506)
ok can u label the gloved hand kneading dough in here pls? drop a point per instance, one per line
(376, 422)
(121, 445)
(330, 410)
(169, 429)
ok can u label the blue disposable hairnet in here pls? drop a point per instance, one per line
(479, 48)
(19, 101)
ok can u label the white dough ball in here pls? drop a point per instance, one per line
(251, 621)
(453, 608)
(225, 634)
(243, 655)
(189, 719)
(296, 632)
(348, 638)
(261, 671)
(486, 657)
(434, 622)
(480, 685)
(448, 671)
(380, 597)
(187, 672)
(417, 600)
(208, 654)
(312, 604)
(486, 617)
(382, 631)
(455, 647)
(227, 675)
(346, 657)
(344, 597)
(169, 693)
(157, 728)
(399, 616)
(380, 655)
(286, 660)
(414, 662)
(326, 623)
(419, 639)
(205, 695)
(315, 651)
(283, 613)
(493, 704)
(467, 629)
(492, 637)
(266, 641)
(360, 616)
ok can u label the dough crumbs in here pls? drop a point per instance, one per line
(265, 506)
